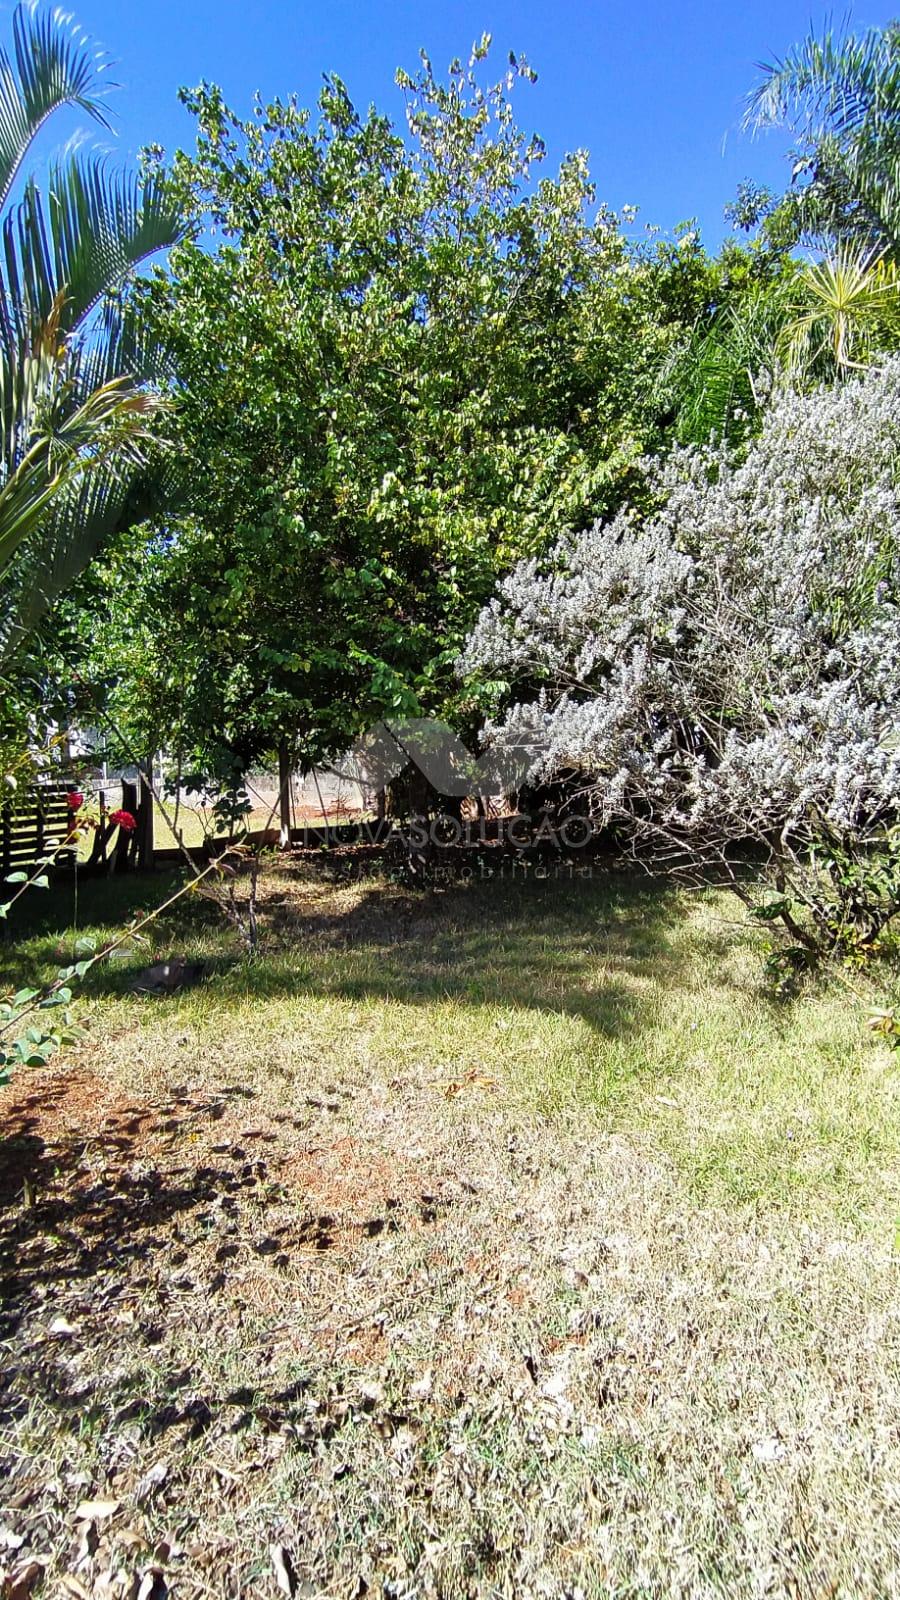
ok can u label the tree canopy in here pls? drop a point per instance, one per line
(403, 363)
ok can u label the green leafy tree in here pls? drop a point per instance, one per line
(403, 364)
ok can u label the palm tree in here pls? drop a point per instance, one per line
(75, 405)
(840, 95)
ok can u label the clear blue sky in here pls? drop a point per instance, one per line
(652, 88)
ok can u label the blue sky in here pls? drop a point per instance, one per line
(652, 89)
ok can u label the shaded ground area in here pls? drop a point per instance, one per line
(451, 1276)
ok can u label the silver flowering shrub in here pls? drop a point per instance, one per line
(726, 670)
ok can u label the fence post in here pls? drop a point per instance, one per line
(145, 817)
(121, 861)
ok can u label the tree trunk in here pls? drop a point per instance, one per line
(284, 796)
(121, 860)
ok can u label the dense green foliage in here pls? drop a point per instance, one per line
(403, 365)
(406, 360)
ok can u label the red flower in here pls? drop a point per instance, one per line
(123, 820)
(74, 800)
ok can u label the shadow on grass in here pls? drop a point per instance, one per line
(588, 948)
(582, 949)
(94, 1269)
(67, 1224)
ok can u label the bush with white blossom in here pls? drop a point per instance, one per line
(724, 671)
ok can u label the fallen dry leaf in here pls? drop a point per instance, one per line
(61, 1328)
(284, 1572)
(153, 1585)
(152, 1480)
(132, 1538)
(22, 1581)
(470, 1080)
(97, 1510)
(768, 1450)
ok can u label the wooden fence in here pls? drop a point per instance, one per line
(45, 814)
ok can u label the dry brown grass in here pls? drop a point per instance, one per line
(340, 1267)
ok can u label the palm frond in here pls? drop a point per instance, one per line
(715, 377)
(76, 415)
(83, 517)
(836, 81)
(840, 93)
(51, 65)
(94, 228)
(110, 429)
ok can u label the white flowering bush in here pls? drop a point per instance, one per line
(724, 671)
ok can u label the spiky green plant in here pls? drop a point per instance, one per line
(847, 310)
(75, 407)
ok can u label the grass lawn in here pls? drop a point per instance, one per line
(500, 1241)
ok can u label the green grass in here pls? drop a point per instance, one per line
(618, 998)
(501, 1241)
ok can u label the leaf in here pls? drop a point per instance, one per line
(97, 1510)
(771, 910)
(284, 1572)
(153, 1585)
(152, 1480)
(22, 1581)
(61, 1328)
(60, 998)
(16, 877)
(768, 1451)
(35, 1058)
